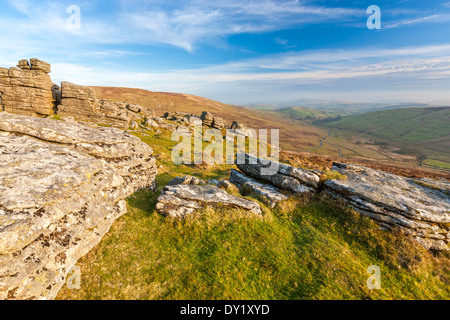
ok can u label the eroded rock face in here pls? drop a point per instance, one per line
(81, 103)
(62, 184)
(27, 90)
(267, 193)
(286, 177)
(180, 200)
(419, 207)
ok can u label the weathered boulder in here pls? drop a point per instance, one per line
(135, 108)
(159, 120)
(174, 116)
(151, 123)
(283, 176)
(207, 119)
(186, 180)
(219, 123)
(40, 65)
(180, 200)
(28, 90)
(420, 207)
(62, 184)
(112, 114)
(267, 193)
(24, 64)
(134, 125)
(240, 129)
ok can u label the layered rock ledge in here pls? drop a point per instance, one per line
(267, 193)
(62, 184)
(27, 90)
(283, 176)
(420, 207)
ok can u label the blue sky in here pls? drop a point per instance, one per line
(240, 52)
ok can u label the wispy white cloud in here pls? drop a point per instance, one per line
(40, 31)
(427, 19)
(402, 68)
(185, 25)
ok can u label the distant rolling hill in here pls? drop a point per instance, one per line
(424, 132)
(340, 107)
(293, 135)
(304, 113)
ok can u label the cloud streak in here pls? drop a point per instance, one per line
(403, 67)
(184, 25)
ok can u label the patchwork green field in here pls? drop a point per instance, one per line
(423, 133)
(303, 113)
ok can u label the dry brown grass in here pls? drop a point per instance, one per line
(293, 135)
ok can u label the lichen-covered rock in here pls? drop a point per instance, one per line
(62, 184)
(285, 177)
(419, 207)
(28, 90)
(267, 193)
(186, 180)
(180, 200)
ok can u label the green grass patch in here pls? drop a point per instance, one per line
(437, 164)
(303, 249)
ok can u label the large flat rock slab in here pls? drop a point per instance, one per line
(62, 185)
(420, 207)
(178, 201)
